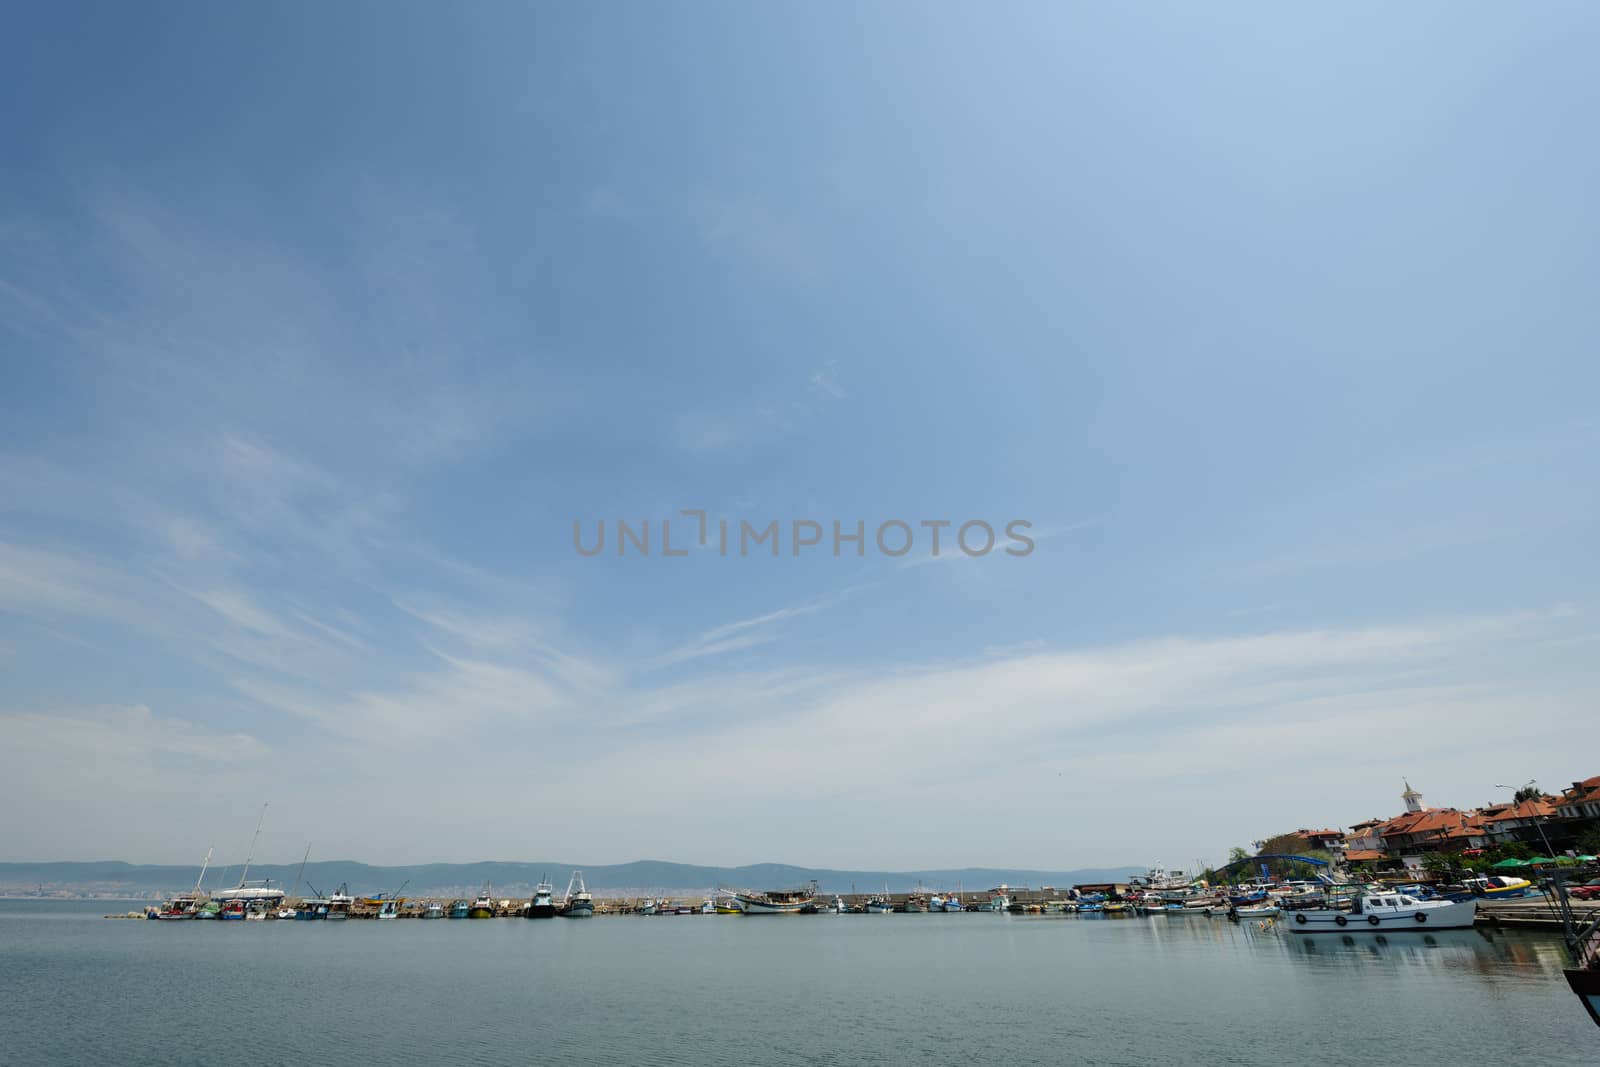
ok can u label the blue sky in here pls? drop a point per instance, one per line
(319, 327)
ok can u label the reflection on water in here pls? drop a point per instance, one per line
(1485, 951)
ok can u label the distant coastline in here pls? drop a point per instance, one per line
(117, 880)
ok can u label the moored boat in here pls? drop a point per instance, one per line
(579, 904)
(777, 901)
(1388, 912)
(460, 909)
(483, 906)
(433, 910)
(543, 904)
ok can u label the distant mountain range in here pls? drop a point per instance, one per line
(114, 878)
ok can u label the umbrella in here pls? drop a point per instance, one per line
(1586, 859)
(1512, 862)
(1537, 860)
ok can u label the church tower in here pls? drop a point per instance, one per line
(1412, 798)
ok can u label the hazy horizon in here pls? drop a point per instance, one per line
(321, 328)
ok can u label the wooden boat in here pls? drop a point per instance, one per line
(777, 901)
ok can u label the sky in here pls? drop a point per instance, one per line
(321, 326)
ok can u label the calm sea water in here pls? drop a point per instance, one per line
(914, 989)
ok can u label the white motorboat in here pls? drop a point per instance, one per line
(1387, 912)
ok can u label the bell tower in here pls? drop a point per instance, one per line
(1412, 798)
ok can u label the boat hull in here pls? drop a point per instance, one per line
(1418, 920)
(1586, 983)
(751, 906)
(544, 910)
(480, 913)
(578, 911)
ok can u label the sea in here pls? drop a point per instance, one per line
(932, 989)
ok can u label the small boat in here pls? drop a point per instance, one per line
(1388, 912)
(433, 910)
(879, 906)
(285, 913)
(916, 904)
(209, 910)
(649, 907)
(999, 900)
(460, 909)
(543, 904)
(953, 903)
(390, 909)
(777, 901)
(727, 904)
(1257, 911)
(579, 904)
(483, 907)
(708, 906)
(1498, 887)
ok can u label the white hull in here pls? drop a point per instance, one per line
(1420, 918)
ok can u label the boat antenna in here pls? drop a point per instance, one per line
(253, 841)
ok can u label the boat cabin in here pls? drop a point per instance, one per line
(1384, 904)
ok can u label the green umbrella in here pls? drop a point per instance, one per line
(1541, 859)
(1512, 862)
(1586, 859)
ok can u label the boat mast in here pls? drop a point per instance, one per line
(253, 841)
(302, 873)
(203, 867)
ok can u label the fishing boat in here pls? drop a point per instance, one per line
(311, 908)
(726, 904)
(543, 904)
(578, 903)
(390, 909)
(999, 900)
(649, 907)
(1389, 912)
(483, 907)
(1254, 911)
(433, 910)
(209, 910)
(339, 903)
(777, 901)
(953, 903)
(879, 906)
(460, 909)
(916, 904)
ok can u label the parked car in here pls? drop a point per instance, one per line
(1589, 890)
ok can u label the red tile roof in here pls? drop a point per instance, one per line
(1364, 855)
(1538, 807)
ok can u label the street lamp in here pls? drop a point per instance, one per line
(1536, 822)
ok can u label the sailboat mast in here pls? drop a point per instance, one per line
(203, 867)
(253, 841)
(302, 873)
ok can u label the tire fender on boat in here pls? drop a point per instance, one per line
(1422, 916)
(1301, 919)
(1372, 920)
(1340, 919)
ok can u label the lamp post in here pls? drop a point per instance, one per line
(1536, 822)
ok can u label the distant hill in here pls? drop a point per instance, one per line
(115, 878)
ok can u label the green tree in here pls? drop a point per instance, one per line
(1527, 792)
